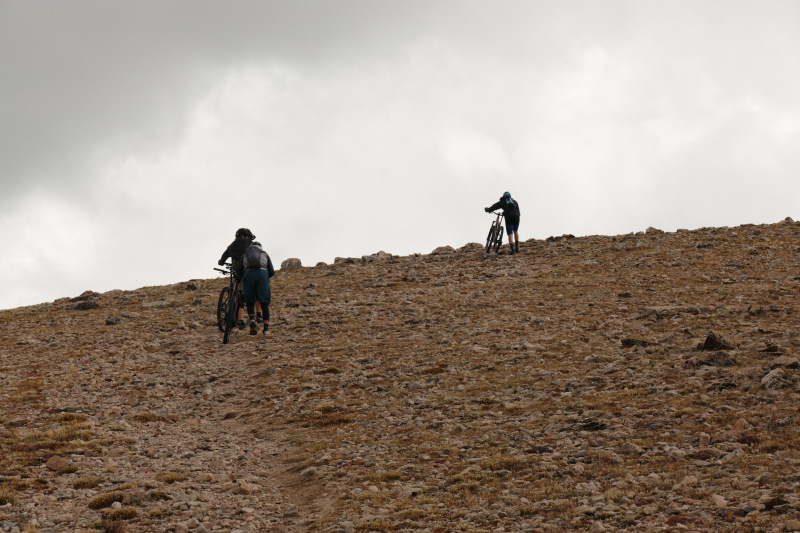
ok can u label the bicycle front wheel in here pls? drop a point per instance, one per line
(230, 317)
(222, 308)
(490, 238)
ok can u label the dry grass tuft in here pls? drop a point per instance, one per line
(170, 477)
(123, 513)
(105, 500)
(110, 526)
(7, 495)
(71, 469)
(148, 416)
(71, 417)
(89, 482)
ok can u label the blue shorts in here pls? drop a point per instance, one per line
(512, 224)
(256, 287)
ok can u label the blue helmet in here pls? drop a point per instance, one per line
(506, 194)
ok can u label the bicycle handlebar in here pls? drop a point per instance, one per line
(223, 271)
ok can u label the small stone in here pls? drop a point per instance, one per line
(776, 379)
(740, 425)
(704, 438)
(792, 525)
(630, 448)
(114, 321)
(650, 510)
(56, 463)
(785, 361)
(197, 302)
(193, 523)
(205, 478)
(718, 500)
(181, 528)
(764, 478)
(309, 472)
(290, 511)
(17, 421)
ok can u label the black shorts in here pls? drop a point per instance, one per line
(512, 224)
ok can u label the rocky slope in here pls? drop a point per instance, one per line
(575, 386)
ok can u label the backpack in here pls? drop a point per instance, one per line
(252, 257)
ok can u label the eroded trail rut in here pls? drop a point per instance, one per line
(561, 389)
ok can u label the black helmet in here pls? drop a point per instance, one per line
(244, 232)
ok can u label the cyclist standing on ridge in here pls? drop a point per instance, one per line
(510, 209)
(244, 238)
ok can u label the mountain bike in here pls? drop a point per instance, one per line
(495, 239)
(228, 304)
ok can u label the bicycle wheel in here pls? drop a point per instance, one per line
(498, 240)
(222, 307)
(230, 317)
(490, 239)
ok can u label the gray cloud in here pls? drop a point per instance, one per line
(346, 127)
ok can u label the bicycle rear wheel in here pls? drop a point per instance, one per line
(222, 307)
(498, 239)
(230, 317)
(490, 238)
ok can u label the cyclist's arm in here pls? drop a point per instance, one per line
(270, 268)
(495, 206)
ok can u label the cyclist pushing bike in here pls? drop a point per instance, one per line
(510, 209)
(244, 238)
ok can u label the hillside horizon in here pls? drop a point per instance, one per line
(638, 382)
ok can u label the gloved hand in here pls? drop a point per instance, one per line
(486, 209)
(221, 262)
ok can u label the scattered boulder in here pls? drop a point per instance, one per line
(442, 250)
(343, 260)
(113, 321)
(292, 262)
(716, 341)
(158, 304)
(56, 463)
(785, 361)
(380, 256)
(652, 231)
(776, 379)
(711, 359)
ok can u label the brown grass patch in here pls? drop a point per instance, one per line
(88, 482)
(71, 469)
(71, 417)
(105, 500)
(149, 416)
(506, 462)
(7, 495)
(171, 477)
(123, 513)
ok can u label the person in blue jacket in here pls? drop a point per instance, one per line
(510, 209)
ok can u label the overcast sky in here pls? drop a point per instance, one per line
(137, 136)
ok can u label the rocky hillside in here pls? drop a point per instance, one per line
(576, 386)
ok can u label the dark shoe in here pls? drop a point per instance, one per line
(266, 329)
(240, 324)
(517, 246)
(253, 327)
(512, 251)
(259, 318)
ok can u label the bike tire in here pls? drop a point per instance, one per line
(498, 242)
(230, 318)
(222, 307)
(490, 239)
